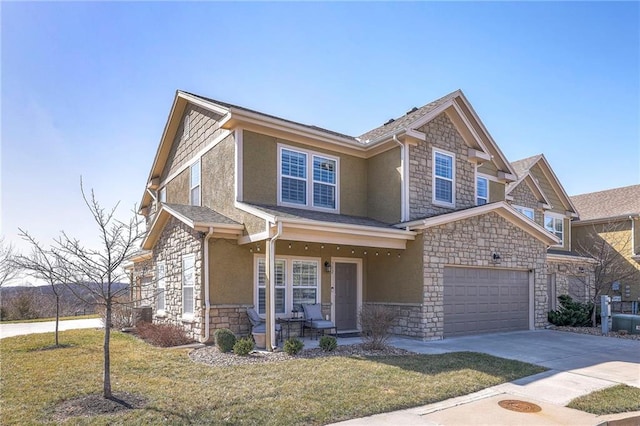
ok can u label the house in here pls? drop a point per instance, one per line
(246, 209)
(539, 195)
(609, 230)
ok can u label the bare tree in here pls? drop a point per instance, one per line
(93, 275)
(8, 269)
(44, 264)
(605, 243)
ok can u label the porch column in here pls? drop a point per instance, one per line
(269, 264)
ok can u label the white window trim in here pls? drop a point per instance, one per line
(555, 216)
(161, 286)
(435, 151)
(199, 185)
(162, 194)
(309, 179)
(189, 315)
(522, 209)
(479, 176)
(288, 281)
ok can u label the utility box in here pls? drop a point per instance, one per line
(142, 314)
(628, 322)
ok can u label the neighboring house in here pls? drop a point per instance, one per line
(609, 229)
(539, 195)
(245, 209)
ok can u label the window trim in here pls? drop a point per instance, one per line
(288, 281)
(554, 216)
(434, 152)
(522, 209)
(198, 186)
(486, 199)
(188, 257)
(162, 194)
(161, 287)
(309, 180)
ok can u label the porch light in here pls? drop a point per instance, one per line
(352, 251)
(289, 245)
(306, 247)
(327, 266)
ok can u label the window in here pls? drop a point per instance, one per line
(443, 182)
(188, 285)
(307, 179)
(195, 184)
(482, 191)
(525, 211)
(162, 194)
(160, 274)
(555, 225)
(296, 282)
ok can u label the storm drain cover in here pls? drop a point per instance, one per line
(519, 406)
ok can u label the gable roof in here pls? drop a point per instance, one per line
(501, 208)
(196, 217)
(608, 204)
(533, 186)
(523, 168)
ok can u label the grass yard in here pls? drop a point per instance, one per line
(179, 391)
(616, 399)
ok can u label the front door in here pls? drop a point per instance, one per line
(346, 295)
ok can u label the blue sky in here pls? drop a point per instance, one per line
(87, 87)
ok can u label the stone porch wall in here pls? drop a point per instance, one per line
(568, 272)
(409, 318)
(471, 242)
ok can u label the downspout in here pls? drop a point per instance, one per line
(271, 312)
(633, 235)
(207, 302)
(404, 179)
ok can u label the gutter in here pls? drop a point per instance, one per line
(271, 320)
(207, 309)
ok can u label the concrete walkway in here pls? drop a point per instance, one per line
(578, 365)
(18, 329)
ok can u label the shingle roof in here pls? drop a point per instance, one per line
(293, 213)
(228, 105)
(609, 203)
(199, 214)
(523, 166)
(406, 119)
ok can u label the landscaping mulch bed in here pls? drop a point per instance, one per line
(212, 356)
(94, 405)
(596, 331)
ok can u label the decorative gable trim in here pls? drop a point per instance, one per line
(501, 208)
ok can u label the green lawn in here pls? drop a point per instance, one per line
(178, 391)
(616, 399)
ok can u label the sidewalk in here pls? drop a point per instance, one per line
(18, 329)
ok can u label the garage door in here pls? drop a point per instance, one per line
(480, 300)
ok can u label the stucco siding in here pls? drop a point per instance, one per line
(488, 168)
(442, 134)
(230, 273)
(384, 186)
(218, 185)
(178, 188)
(547, 189)
(496, 191)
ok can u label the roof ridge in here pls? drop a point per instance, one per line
(605, 190)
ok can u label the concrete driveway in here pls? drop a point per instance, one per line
(578, 364)
(18, 329)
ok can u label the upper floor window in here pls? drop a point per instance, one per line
(443, 178)
(525, 211)
(482, 191)
(195, 184)
(555, 225)
(307, 179)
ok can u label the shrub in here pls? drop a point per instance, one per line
(163, 335)
(225, 339)
(328, 343)
(571, 313)
(293, 345)
(121, 314)
(376, 321)
(243, 347)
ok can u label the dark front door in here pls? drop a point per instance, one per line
(346, 282)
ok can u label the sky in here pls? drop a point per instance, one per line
(86, 87)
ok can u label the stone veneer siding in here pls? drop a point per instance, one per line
(177, 240)
(409, 318)
(569, 269)
(471, 242)
(440, 133)
(524, 197)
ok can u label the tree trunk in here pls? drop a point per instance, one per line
(57, 316)
(107, 361)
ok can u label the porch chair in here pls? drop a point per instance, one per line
(258, 325)
(314, 321)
